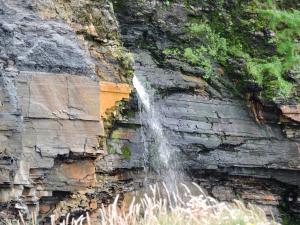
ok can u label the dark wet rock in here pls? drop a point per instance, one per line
(31, 44)
(213, 128)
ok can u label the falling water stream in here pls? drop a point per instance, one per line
(164, 161)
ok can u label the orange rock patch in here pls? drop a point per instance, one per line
(291, 111)
(110, 94)
(82, 171)
(74, 175)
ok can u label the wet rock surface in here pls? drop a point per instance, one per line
(212, 133)
(222, 145)
(218, 134)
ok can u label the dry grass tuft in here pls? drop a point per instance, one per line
(180, 207)
(162, 207)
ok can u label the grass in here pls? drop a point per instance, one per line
(164, 207)
(270, 71)
(126, 152)
(210, 49)
(179, 205)
(83, 219)
(229, 32)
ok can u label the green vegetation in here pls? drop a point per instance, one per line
(111, 149)
(116, 134)
(212, 43)
(126, 60)
(264, 35)
(198, 56)
(269, 71)
(171, 51)
(210, 48)
(287, 219)
(126, 152)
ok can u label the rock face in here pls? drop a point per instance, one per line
(291, 111)
(66, 147)
(220, 143)
(51, 129)
(232, 146)
(110, 94)
(48, 115)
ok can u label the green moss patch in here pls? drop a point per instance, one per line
(263, 35)
(126, 152)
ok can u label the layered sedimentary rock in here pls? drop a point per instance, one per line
(229, 143)
(47, 117)
(291, 112)
(110, 94)
(220, 142)
(51, 128)
(63, 150)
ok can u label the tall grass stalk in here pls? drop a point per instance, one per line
(160, 206)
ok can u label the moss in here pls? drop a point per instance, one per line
(270, 71)
(126, 60)
(171, 52)
(237, 30)
(208, 49)
(287, 218)
(211, 42)
(199, 57)
(126, 152)
(116, 134)
(266, 69)
(130, 113)
(111, 149)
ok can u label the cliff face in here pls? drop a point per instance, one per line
(69, 144)
(234, 142)
(52, 132)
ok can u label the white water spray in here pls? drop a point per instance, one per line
(152, 118)
(143, 96)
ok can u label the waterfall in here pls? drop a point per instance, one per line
(164, 162)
